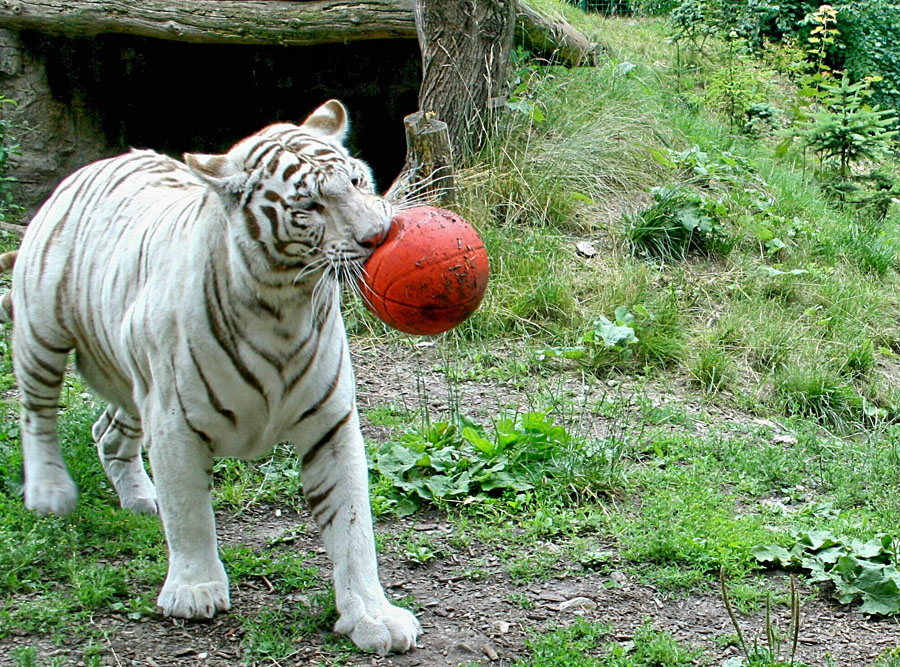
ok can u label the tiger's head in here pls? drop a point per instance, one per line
(300, 206)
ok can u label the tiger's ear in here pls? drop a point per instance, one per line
(329, 120)
(219, 171)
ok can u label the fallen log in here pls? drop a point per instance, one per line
(554, 38)
(259, 22)
(251, 22)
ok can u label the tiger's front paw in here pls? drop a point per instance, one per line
(194, 600)
(53, 493)
(392, 629)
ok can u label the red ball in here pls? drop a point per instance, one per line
(430, 273)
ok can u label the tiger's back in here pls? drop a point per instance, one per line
(114, 231)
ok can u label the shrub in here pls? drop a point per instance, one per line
(737, 84)
(869, 33)
(679, 222)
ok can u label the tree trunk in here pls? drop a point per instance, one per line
(465, 46)
(217, 21)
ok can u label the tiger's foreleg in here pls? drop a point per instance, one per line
(118, 437)
(196, 585)
(335, 482)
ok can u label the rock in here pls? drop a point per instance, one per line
(578, 604)
(491, 653)
(586, 249)
(551, 596)
(465, 648)
(785, 439)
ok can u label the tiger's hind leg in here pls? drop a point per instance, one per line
(39, 368)
(118, 436)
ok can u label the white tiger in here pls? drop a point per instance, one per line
(202, 301)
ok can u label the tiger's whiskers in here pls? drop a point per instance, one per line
(310, 268)
(405, 194)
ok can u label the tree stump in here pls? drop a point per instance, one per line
(428, 175)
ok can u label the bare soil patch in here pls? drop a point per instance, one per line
(471, 608)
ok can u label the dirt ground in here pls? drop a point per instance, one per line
(465, 620)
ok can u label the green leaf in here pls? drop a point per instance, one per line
(830, 555)
(782, 148)
(405, 507)
(396, 461)
(582, 198)
(577, 352)
(478, 440)
(871, 549)
(772, 553)
(442, 486)
(624, 317)
(661, 158)
(613, 335)
(817, 539)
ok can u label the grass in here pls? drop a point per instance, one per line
(582, 645)
(759, 395)
(584, 168)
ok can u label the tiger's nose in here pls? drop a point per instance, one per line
(373, 241)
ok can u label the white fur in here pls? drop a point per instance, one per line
(150, 270)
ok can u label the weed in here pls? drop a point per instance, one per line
(10, 209)
(685, 523)
(444, 462)
(272, 634)
(419, 551)
(538, 565)
(713, 369)
(522, 600)
(25, 656)
(770, 654)
(276, 479)
(891, 658)
(282, 570)
(637, 336)
(566, 647)
(390, 415)
(679, 222)
(817, 393)
(580, 645)
(866, 571)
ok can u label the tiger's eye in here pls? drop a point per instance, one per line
(310, 206)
